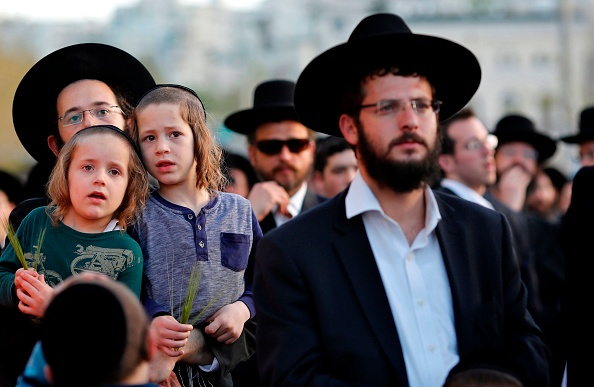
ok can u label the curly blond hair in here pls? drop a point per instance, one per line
(138, 185)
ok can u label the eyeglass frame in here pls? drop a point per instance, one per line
(527, 154)
(398, 106)
(295, 145)
(91, 112)
(490, 142)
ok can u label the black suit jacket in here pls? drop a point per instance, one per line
(577, 232)
(310, 200)
(324, 317)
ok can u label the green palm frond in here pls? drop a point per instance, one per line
(37, 255)
(15, 243)
(191, 291)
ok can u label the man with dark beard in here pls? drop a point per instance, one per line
(390, 283)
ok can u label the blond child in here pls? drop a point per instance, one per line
(188, 222)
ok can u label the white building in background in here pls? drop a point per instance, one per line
(536, 55)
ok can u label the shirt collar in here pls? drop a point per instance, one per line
(296, 201)
(360, 199)
(465, 192)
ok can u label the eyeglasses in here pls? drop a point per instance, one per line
(102, 112)
(420, 106)
(489, 142)
(585, 156)
(528, 154)
(273, 147)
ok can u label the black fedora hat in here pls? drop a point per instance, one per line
(273, 102)
(586, 128)
(34, 105)
(517, 128)
(380, 40)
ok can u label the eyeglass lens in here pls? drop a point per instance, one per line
(273, 147)
(76, 117)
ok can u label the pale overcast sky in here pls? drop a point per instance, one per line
(69, 10)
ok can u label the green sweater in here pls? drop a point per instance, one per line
(67, 252)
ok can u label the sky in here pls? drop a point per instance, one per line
(72, 10)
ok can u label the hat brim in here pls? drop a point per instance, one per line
(451, 68)
(579, 138)
(544, 145)
(246, 121)
(34, 105)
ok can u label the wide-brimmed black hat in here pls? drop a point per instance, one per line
(34, 105)
(273, 102)
(517, 128)
(586, 128)
(384, 40)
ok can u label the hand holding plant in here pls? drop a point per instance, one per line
(169, 335)
(33, 293)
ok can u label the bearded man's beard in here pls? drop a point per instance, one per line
(400, 176)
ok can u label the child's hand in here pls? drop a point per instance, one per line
(169, 335)
(226, 324)
(161, 366)
(34, 295)
(22, 272)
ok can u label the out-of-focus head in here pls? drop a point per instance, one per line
(116, 326)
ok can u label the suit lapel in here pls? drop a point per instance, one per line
(310, 200)
(358, 261)
(455, 255)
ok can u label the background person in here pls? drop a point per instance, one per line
(281, 150)
(334, 166)
(467, 157)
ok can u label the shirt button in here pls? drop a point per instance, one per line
(409, 257)
(201, 244)
(421, 302)
(190, 216)
(431, 348)
(199, 227)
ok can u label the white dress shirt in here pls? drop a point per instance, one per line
(465, 192)
(294, 207)
(416, 284)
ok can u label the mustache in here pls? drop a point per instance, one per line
(408, 137)
(284, 165)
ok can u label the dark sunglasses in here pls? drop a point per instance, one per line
(273, 147)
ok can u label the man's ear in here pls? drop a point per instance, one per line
(49, 375)
(52, 143)
(348, 129)
(445, 162)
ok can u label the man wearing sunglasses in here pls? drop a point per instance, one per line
(281, 151)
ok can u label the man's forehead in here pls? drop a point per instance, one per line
(281, 130)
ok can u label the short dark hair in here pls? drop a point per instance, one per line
(447, 143)
(326, 147)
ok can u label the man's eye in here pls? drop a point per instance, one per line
(73, 118)
(387, 106)
(101, 112)
(421, 106)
